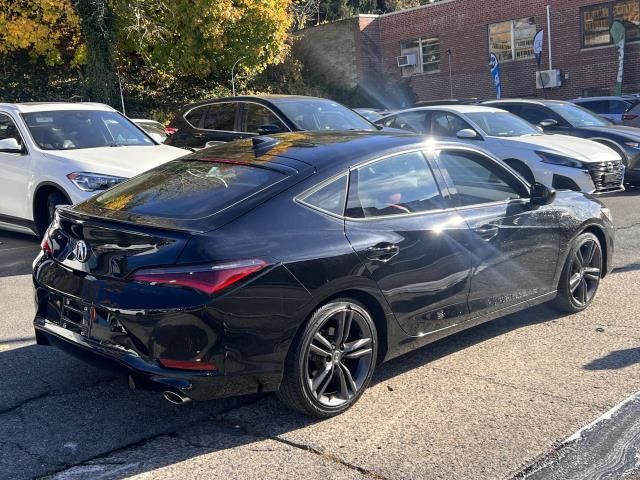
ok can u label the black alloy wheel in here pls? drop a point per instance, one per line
(332, 361)
(581, 275)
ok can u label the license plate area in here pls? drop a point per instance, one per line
(609, 178)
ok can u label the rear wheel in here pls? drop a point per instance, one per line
(331, 362)
(581, 274)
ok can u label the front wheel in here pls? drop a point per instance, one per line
(581, 274)
(47, 210)
(331, 362)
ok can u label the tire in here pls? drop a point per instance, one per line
(523, 170)
(581, 275)
(322, 381)
(48, 210)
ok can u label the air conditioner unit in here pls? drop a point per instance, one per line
(408, 60)
(548, 79)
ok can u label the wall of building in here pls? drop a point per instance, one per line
(462, 27)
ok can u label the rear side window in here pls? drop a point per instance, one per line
(188, 189)
(221, 116)
(330, 197)
(397, 185)
(195, 115)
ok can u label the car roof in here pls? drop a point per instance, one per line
(28, 107)
(275, 99)
(320, 150)
(535, 101)
(604, 97)
(452, 108)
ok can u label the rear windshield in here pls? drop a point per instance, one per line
(188, 189)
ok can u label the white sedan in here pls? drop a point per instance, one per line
(63, 153)
(558, 161)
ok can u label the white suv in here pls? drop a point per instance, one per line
(558, 161)
(63, 153)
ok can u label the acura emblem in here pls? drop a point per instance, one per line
(610, 167)
(81, 251)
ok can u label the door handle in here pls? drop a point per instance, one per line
(486, 232)
(382, 252)
(198, 135)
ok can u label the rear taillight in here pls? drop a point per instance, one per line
(204, 278)
(197, 365)
(628, 116)
(170, 130)
(46, 244)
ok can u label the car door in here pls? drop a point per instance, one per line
(256, 119)
(16, 173)
(399, 222)
(514, 246)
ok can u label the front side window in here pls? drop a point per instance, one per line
(415, 122)
(221, 116)
(8, 129)
(476, 179)
(531, 113)
(402, 184)
(77, 129)
(598, 19)
(578, 116)
(259, 119)
(423, 55)
(513, 39)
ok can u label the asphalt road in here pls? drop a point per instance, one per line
(501, 400)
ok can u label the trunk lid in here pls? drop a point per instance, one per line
(103, 248)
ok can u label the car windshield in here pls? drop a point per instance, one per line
(578, 116)
(502, 124)
(77, 129)
(323, 115)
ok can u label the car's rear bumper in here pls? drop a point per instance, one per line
(149, 375)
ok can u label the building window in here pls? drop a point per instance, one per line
(597, 21)
(425, 51)
(513, 40)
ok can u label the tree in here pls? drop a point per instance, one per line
(98, 25)
(204, 38)
(46, 29)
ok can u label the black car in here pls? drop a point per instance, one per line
(232, 118)
(566, 118)
(297, 263)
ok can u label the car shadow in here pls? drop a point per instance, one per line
(615, 360)
(59, 412)
(17, 252)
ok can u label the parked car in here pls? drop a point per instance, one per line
(154, 129)
(565, 118)
(618, 110)
(297, 263)
(61, 153)
(231, 118)
(560, 162)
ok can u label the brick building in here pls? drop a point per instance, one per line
(365, 49)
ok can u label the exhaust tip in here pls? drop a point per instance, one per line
(175, 398)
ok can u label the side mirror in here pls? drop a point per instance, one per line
(10, 145)
(269, 129)
(539, 128)
(541, 194)
(467, 133)
(549, 124)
